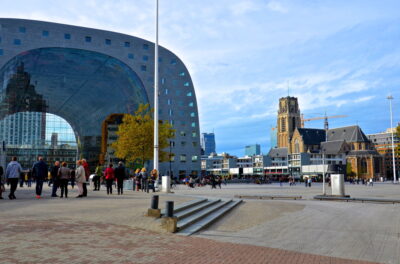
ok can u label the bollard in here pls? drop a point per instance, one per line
(154, 202)
(169, 209)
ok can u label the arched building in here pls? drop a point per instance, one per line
(85, 75)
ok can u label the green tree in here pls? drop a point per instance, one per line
(136, 137)
(349, 170)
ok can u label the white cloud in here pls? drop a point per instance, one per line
(277, 7)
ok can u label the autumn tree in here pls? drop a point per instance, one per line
(136, 137)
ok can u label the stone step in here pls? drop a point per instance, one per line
(209, 219)
(194, 209)
(186, 205)
(187, 221)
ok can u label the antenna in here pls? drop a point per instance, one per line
(288, 90)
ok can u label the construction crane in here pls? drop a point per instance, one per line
(326, 125)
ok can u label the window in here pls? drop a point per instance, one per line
(170, 113)
(131, 56)
(22, 29)
(183, 123)
(194, 144)
(183, 158)
(194, 158)
(169, 101)
(192, 114)
(193, 124)
(171, 122)
(182, 74)
(183, 143)
(194, 134)
(159, 59)
(173, 62)
(189, 94)
(177, 92)
(1, 52)
(127, 44)
(180, 103)
(17, 42)
(166, 91)
(67, 36)
(145, 46)
(191, 104)
(172, 158)
(162, 80)
(108, 41)
(88, 39)
(186, 84)
(145, 58)
(183, 133)
(143, 68)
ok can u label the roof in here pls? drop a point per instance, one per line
(278, 152)
(350, 134)
(363, 153)
(312, 136)
(333, 147)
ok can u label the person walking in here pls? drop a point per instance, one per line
(39, 173)
(153, 179)
(72, 178)
(145, 180)
(13, 173)
(64, 174)
(138, 179)
(109, 176)
(55, 178)
(120, 174)
(87, 175)
(97, 177)
(80, 178)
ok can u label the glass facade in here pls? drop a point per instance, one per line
(83, 87)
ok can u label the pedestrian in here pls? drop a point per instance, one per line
(39, 173)
(306, 182)
(213, 183)
(219, 181)
(109, 175)
(72, 178)
(371, 182)
(309, 182)
(153, 179)
(2, 188)
(145, 180)
(138, 180)
(64, 174)
(87, 175)
(29, 178)
(13, 172)
(120, 174)
(55, 178)
(80, 178)
(21, 179)
(97, 177)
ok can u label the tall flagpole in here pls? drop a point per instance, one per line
(390, 98)
(156, 94)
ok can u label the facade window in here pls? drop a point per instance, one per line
(194, 134)
(192, 114)
(183, 123)
(170, 113)
(194, 144)
(182, 74)
(67, 36)
(143, 68)
(183, 133)
(171, 122)
(191, 104)
(159, 59)
(45, 33)
(173, 62)
(145, 46)
(17, 42)
(22, 29)
(182, 158)
(1, 52)
(178, 92)
(193, 124)
(169, 101)
(186, 84)
(180, 103)
(172, 158)
(88, 39)
(108, 41)
(166, 91)
(183, 143)
(162, 80)
(145, 58)
(127, 44)
(194, 158)
(131, 56)
(189, 94)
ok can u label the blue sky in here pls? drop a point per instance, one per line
(342, 57)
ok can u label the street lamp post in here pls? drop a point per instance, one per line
(156, 94)
(323, 172)
(390, 98)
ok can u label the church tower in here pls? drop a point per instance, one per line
(288, 120)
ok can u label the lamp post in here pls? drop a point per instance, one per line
(170, 156)
(390, 98)
(156, 94)
(323, 172)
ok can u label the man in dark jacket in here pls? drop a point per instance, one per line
(87, 175)
(120, 175)
(55, 178)
(39, 172)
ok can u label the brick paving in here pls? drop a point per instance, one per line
(24, 240)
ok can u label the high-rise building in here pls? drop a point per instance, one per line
(288, 120)
(207, 142)
(252, 150)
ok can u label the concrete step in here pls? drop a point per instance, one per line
(194, 209)
(187, 221)
(209, 219)
(186, 205)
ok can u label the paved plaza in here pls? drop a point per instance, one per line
(112, 229)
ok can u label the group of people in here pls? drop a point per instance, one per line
(60, 176)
